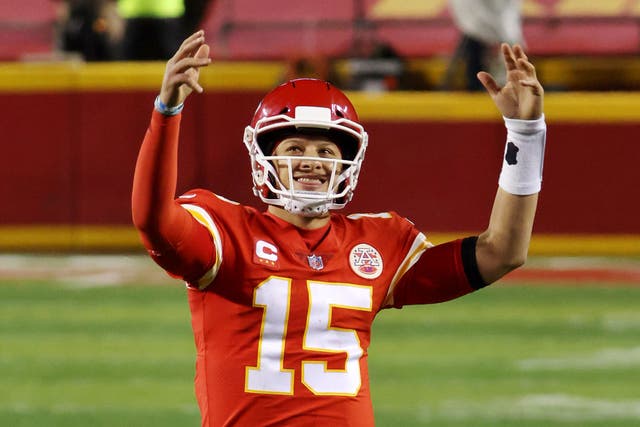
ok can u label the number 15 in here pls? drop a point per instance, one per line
(269, 376)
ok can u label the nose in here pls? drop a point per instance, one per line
(308, 164)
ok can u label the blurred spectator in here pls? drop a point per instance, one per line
(484, 24)
(381, 70)
(194, 12)
(153, 28)
(91, 28)
(317, 67)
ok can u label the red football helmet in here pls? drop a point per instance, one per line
(305, 106)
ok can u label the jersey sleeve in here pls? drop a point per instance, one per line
(206, 209)
(174, 239)
(439, 273)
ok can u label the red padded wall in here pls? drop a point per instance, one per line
(68, 158)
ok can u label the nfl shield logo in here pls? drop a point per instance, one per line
(315, 262)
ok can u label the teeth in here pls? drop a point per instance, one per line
(309, 180)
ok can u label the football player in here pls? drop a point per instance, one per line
(282, 300)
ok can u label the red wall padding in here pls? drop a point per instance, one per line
(68, 158)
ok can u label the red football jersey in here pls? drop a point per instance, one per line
(282, 316)
(282, 319)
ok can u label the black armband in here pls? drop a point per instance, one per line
(470, 263)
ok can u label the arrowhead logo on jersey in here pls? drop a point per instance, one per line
(365, 261)
(266, 254)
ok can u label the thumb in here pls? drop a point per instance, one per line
(488, 82)
(203, 52)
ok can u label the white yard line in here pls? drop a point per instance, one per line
(583, 263)
(83, 270)
(111, 270)
(542, 407)
(603, 359)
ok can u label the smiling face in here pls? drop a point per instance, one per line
(308, 174)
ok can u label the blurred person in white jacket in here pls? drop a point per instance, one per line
(484, 24)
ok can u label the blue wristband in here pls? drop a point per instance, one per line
(167, 111)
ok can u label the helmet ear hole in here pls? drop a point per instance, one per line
(267, 192)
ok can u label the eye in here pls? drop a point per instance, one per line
(294, 149)
(327, 152)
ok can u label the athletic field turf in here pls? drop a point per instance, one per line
(106, 341)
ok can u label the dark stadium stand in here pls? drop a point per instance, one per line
(578, 45)
(251, 29)
(254, 29)
(27, 27)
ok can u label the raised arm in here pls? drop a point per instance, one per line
(162, 223)
(503, 246)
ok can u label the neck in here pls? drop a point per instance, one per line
(308, 223)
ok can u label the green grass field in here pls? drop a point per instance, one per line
(510, 355)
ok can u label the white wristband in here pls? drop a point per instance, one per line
(523, 156)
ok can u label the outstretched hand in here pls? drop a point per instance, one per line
(522, 95)
(183, 70)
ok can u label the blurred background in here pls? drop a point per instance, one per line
(86, 340)
(80, 97)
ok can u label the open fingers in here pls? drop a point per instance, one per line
(534, 85)
(527, 67)
(186, 70)
(188, 79)
(509, 57)
(183, 70)
(518, 51)
(517, 60)
(189, 46)
(190, 62)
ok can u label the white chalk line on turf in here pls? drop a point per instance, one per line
(83, 271)
(608, 358)
(543, 407)
(22, 407)
(622, 322)
(583, 262)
